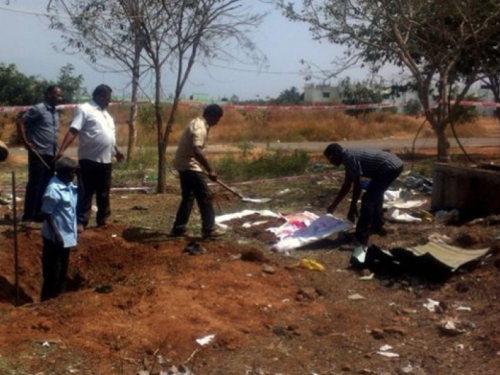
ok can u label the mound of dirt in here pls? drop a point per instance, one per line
(135, 298)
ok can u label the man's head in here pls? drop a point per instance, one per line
(212, 114)
(102, 95)
(66, 169)
(53, 95)
(4, 151)
(333, 152)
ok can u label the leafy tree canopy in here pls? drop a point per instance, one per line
(16, 88)
(289, 96)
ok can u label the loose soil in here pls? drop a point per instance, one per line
(134, 296)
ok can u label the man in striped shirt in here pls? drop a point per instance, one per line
(382, 168)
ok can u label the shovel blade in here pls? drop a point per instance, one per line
(256, 200)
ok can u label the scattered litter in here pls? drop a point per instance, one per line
(219, 220)
(447, 217)
(369, 277)
(293, 223)
(318, 229)
(355, 297)
(384, 351)
(46, 344)
(418, 182)
(405, 204)
(310, 264)
(359, 253)
(205, 340)
(431, 305)
(412, 370)
(249, 225)
(285, 191)
(174, 370)
(426, 216)
(440, 238)
(436, 261)
(398, 216)
(454, 326)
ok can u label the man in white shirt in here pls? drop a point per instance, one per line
(97, 145)
(193, 167)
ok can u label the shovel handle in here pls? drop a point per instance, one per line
(41, 159)
(229, 188)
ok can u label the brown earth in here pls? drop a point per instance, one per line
(134, 295)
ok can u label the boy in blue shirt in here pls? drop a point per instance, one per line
(59, 229)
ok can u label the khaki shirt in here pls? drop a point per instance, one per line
(195, 134)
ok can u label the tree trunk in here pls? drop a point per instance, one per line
(497, 113)
(162, 148)
(132, 131)
(162, 168)
(132, 117)
(443, 146)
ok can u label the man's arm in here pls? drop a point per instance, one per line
(118, 155)
(68, 139)
(52, 224)
(346, 186)
(21, 132)
(200, 157)
(356, 193)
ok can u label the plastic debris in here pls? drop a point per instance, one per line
(431, 305)
(310, 264)
(205, 340)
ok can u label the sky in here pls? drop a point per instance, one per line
(27, 42)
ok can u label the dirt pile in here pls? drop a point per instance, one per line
(134, 295)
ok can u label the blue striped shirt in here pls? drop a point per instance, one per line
(42, 127)
(369, 162)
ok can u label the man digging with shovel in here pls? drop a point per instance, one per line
(193, 167)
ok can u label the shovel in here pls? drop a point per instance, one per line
(243, 198)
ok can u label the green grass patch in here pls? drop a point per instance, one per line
(271, 164)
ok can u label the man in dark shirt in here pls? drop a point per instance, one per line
(382, 168)
(38, 131)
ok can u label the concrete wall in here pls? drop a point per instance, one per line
(474, 191)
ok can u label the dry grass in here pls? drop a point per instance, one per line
(240, 126)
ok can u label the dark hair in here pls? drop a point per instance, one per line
(4, 151)
(214, 110)
(66, 164)
(50, 89)
(102, 89)
(333, 150)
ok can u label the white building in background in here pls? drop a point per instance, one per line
(321, 94)
(328, 94)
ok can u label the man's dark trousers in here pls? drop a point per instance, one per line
(55, 259)
(372, 214)
(38, 179)
(194, 186)
(96, 179)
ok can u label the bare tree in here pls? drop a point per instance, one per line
(107, 33)
(189, 32)
(430, 39)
